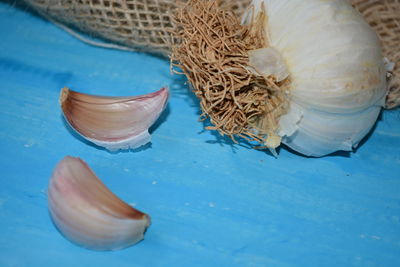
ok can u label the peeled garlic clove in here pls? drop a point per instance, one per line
(88, 213)
(113, 122)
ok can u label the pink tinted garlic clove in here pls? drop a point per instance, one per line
(113, 122)
(87, 213)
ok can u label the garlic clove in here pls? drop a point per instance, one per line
(113, 122)
(87, 213)
(314, 137)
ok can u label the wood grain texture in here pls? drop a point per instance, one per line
(212, 203)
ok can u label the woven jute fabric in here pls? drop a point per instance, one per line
(146, 25)
(142, 25)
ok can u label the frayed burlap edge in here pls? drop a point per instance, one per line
(212, 53)
(138, 25)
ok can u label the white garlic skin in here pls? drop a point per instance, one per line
(337, 72)
(87, 213)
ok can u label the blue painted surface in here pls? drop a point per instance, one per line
(212, 203)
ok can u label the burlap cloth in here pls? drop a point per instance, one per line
(146, 25)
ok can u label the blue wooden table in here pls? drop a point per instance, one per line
(212, 203)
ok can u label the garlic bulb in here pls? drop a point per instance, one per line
(88, 213)
(113, 122)
(336, 71)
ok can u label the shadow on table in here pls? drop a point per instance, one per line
(181, 88)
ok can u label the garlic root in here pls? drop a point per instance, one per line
(113, 122)
(87, 213)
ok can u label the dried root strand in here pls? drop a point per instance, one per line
(212, 53)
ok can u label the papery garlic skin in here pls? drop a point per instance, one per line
(336, 70)
(113, 122)
(88, 213)
(269, 62)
